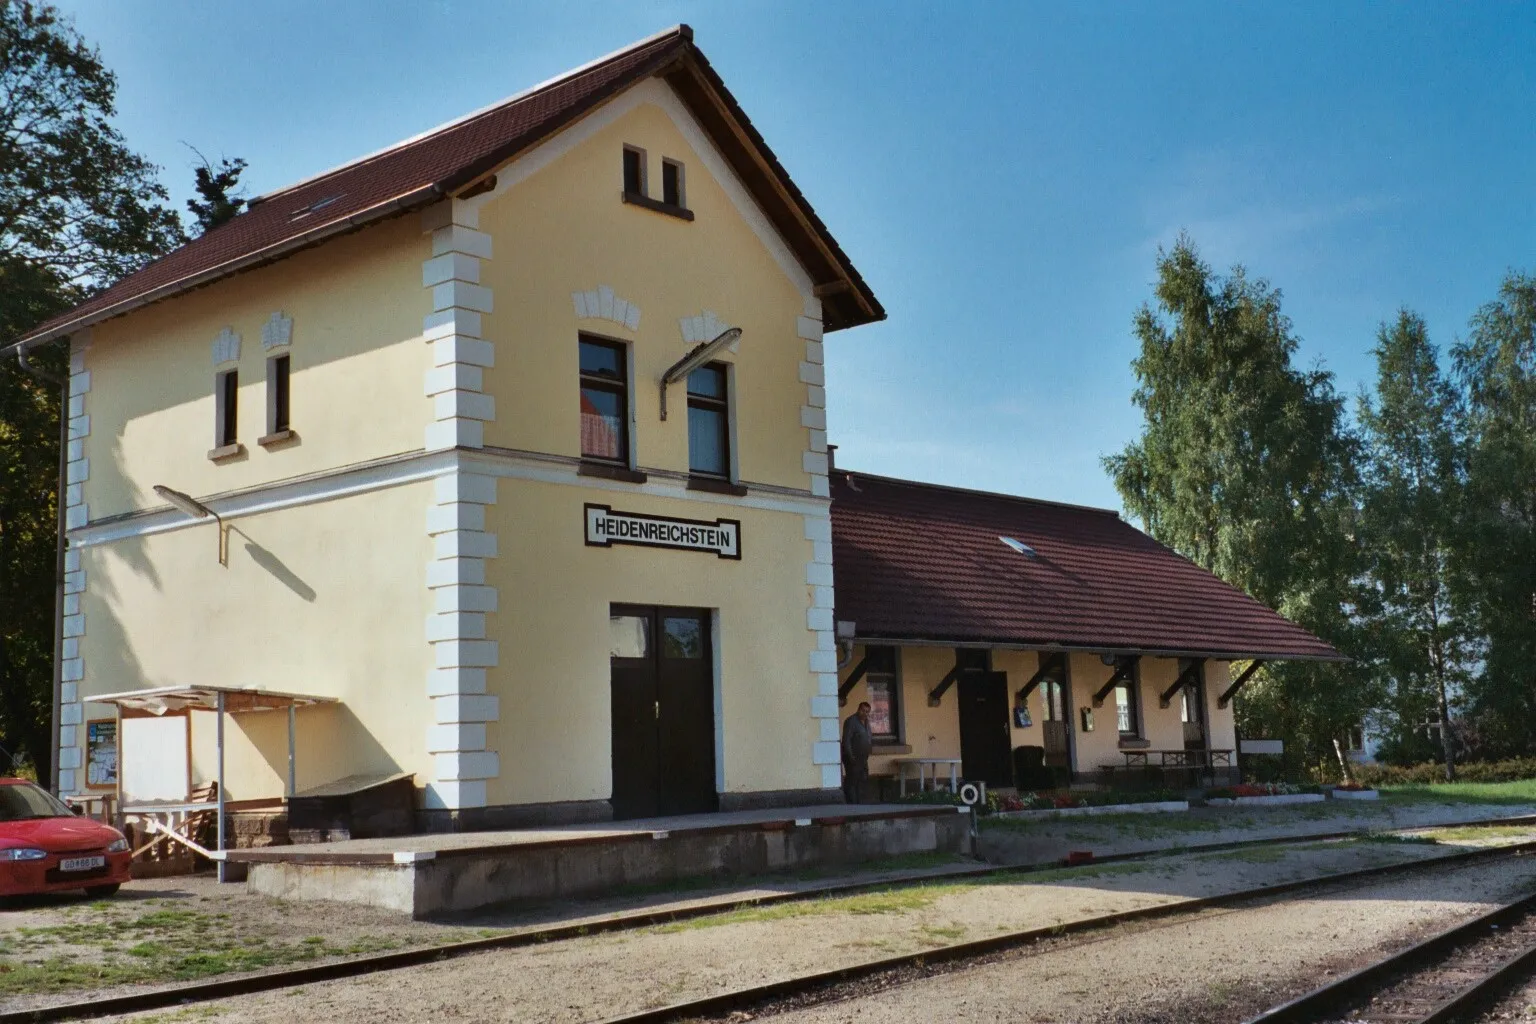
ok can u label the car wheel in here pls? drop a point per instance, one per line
(101, 892)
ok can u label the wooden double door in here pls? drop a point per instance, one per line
(663, 704)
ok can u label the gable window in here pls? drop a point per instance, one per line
(278, 426)
(226, 399)
(604, 401)
(883, 684)
(1128, 705)
(672, 183)
(634, 171)
(709, 428)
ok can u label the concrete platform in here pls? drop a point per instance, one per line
(446, 873)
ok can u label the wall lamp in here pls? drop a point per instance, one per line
(700, 355)
(197, 510)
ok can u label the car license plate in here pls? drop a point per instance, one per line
(81, 863)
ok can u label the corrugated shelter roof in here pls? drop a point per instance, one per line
(448, 160)
(925, 563)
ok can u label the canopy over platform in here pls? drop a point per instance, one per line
(221, 700)
(165, 699)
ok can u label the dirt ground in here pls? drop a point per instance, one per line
(650, 967)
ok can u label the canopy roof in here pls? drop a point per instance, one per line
(164, 699)
(927, 564)
(457, 157)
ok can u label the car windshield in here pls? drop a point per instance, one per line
(24, 800)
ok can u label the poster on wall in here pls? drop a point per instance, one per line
(101, 753)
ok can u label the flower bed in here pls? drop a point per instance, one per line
(1353, 791)
(1067, 803)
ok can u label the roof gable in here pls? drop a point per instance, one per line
(928, 563)
(457, 157)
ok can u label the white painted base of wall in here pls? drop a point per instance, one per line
(1354, 794)
(1267, 801)
(1160, 807)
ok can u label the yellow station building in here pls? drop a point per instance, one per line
(515, 438)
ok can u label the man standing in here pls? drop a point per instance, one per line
(857, 742)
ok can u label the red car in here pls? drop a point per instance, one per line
(46, 847)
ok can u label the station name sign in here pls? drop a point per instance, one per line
(606, 526)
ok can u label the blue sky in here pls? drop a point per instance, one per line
(1002, 174)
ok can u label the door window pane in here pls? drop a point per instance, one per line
(682, 638)
(1050, 692)
(1125, 710)
(629, 636)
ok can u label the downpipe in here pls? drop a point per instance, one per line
(52, 783)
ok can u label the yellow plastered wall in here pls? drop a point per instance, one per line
(357, 305)
(565, 229)
(553, 679)
(328, 598)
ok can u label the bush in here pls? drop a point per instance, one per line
(1429, 773)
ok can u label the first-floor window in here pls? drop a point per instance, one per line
(709, 430)
(604, 401)
(883, 684)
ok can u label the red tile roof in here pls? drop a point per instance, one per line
(921, 562)
(421, 171)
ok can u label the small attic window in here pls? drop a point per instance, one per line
(1019, 546)
(672, 183)
(634, 171)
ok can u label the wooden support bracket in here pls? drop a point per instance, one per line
(1186, 678)
(1048, 664)
(852, 680)
(1124, 669)
(1237, 684)
(936, 694)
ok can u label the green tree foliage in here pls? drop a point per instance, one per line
(1411, 508)
(1496, 366)
(1246, 466)
(78, 209)
(219, 197)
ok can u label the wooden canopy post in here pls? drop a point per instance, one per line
(1124, 672)
(1185, 679)
(1237, 684)
(219, 710)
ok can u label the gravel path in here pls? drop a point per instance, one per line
(593, 978)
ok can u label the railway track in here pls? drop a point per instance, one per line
(1445, 978)
(801, 988)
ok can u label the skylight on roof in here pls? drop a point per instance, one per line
(318, 204)
(1019, 546)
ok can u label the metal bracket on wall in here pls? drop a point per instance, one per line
(1237, 684)
(1125, 669)
(1186, 678)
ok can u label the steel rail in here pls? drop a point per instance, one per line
(199, 992)
(1324, 1002)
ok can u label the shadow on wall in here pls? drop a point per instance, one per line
(330, 742)
(275, 566)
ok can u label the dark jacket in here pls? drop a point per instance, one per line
(857, 741)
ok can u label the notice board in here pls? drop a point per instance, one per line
(101, 753)
(155, 759)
